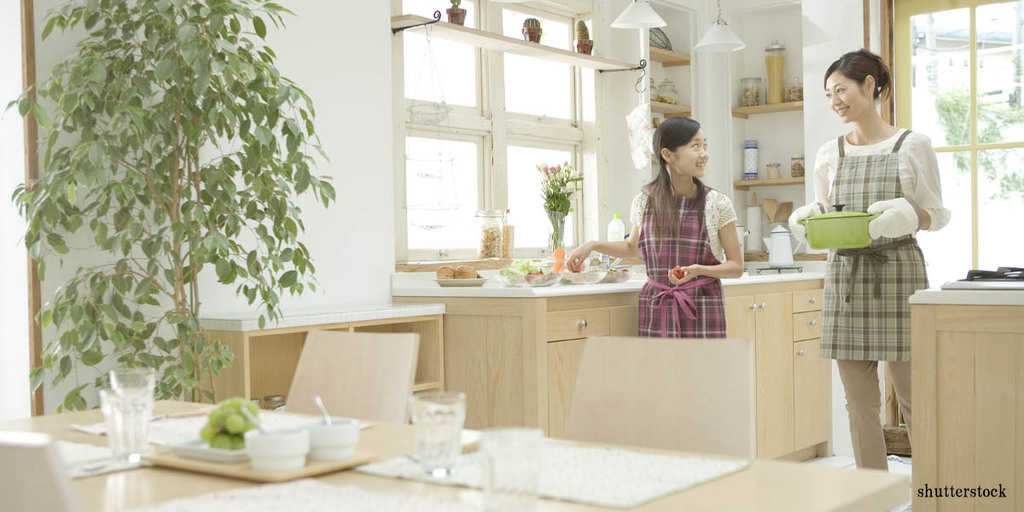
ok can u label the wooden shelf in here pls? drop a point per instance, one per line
(670, 110)
(669, 58)
(492, 41)
(746, 184)
(745, 112)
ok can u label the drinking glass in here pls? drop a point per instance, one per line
(128, 416)
(511, 472)
(133, 380)
(437, 420)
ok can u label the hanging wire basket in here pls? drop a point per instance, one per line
(428, 113)
(431, 216)
(433, 166)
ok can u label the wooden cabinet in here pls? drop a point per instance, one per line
(792, 383)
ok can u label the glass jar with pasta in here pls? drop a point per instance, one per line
(490, 222)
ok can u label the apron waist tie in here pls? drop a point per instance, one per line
(680, 296)
(874, 256)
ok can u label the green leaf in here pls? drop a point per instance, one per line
(41, 117)
(264, 135)
(288, 278)
(95, 154)
(24, 106)
(98, 73)
(261, 29)
(164, 69)
(47, 318)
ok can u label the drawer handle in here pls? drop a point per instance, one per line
(582, 323)
(800, 352)
(753, 307)
(762, 306)
(814, 321)
(814, 300)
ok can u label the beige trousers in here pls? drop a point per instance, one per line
(864, 403)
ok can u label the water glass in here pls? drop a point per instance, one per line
(437, 420)
(511, 472)
(133, 380)
(128, 416)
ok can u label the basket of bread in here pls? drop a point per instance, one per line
(528, 273)
(462, 275)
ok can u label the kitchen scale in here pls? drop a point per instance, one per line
(1003, 278)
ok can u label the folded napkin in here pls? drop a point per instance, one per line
(307, 496)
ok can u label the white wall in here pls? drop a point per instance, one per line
(14, 385)
(346, 70)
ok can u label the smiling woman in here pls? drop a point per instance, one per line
(14, 349)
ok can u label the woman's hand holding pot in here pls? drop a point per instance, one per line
(803, 212)
(898, 218)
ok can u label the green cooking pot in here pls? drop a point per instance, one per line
(838, 230)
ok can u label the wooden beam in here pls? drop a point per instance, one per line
(885, 32)
(28, 77)
(867, 25)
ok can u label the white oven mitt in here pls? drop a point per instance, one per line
(898, 218)
(798, 230)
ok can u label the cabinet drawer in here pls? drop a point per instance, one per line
(580, 323)
(807, 300)
(807, 325)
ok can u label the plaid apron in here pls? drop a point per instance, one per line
(662, 252)
(866, 315)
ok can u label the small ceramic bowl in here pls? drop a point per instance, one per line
(337, 442)
(278, 450)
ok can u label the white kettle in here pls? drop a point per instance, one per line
(780, 250)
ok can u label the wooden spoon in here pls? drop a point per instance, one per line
(770, 207)
(785, 209)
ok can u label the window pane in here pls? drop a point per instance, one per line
(1000, 208)
(524, 199)
(534, 86)
(940, 76)
(947, 252)
(437, 69)
(441, 192)
(1000, 116)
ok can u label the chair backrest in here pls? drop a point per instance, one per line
(685, 394)
(357, 374)
(32, 476)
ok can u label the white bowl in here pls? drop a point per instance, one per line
(277, 450)
(337, 442)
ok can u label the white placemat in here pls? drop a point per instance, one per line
(82, 459)
(607, 477)
(307, 496)
(169, 431)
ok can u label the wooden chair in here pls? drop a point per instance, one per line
(684, 394)
(357, 374)
(32, 477)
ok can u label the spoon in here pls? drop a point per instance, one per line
(615, 263)
(323, 410)
(252, 417)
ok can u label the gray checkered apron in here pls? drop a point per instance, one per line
(662, 252)
(866, 315)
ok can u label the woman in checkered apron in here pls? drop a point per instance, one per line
(876, 168)
(679, 222)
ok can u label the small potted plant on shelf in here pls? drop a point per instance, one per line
(532, 30)
(584, 44)
(456, 14)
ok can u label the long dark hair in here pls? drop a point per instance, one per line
(672, 133)
(858, 65)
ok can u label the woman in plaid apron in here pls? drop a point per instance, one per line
(678, 222)
(876, 168)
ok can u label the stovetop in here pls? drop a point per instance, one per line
(1002, 278)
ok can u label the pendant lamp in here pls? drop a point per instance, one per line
(719, 38)
(639, 14)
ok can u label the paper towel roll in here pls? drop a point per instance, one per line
(754, 243)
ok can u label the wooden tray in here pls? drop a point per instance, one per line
(242, 471)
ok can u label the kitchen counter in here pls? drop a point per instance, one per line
(422, 284)
(979, 297)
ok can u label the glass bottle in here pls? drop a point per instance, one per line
(508, 236)
(490, 233)
(751, 91)
(796, 168)
(775, 63)
(667, 92)
(794, 89)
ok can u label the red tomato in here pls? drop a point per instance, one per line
(679, 272)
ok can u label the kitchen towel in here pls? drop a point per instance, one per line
(307, 495)
(641, 136)
(607, 477)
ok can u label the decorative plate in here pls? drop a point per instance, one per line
(479, 281)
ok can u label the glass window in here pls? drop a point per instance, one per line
(941, 77)
(524, 197)
(1000, 208)
(436, 69)
(946, 252)
(441, 192)
(534, 86)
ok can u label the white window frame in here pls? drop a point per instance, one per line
(491, 121)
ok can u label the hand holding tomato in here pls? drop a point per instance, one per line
(677, 276)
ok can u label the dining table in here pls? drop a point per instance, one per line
(764, 485)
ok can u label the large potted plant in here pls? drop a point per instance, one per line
(175, 142)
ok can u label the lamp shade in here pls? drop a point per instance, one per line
(719, 39)
(639, 14)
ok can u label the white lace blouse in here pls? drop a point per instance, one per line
(918, 172)
(718, 213)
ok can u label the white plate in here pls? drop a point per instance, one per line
(479, 281)
(200, 450)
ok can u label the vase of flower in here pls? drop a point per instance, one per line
(557, 238)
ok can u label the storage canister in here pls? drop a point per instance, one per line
(490, 222)
(751, 91)
(796, 168)
(750, 160)
(775, 63)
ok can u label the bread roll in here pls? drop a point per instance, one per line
(465, 272)
(446, 272)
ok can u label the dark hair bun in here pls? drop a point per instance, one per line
(860, 64)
